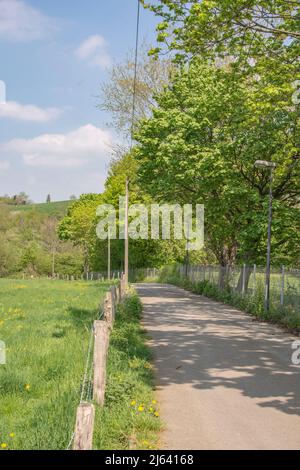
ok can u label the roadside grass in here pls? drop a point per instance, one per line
(45, 326)
(130, 417)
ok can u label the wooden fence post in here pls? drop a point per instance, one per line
(113, 304)
(101, 329)
(123, 285)
(84, 428)
(108, 313)
(115, 296)
(117, 292)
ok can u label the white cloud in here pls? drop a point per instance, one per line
(31, 113)
(90, 46)
(94, 51)
(21, 22)
(72, 150)
(4, 165)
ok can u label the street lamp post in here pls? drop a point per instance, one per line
(126, 263)
(271, 166)
(108, 257)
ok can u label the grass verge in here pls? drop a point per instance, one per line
(45, 326)
(130, 417)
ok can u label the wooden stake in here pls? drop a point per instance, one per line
(84, 427)
(108, 308)
(101, 329)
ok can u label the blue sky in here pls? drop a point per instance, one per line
(54, 55)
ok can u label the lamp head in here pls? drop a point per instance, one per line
(264, 164)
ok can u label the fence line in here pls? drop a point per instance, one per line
(134, 274)
(82, 438)
(246, 281)
(249, 281)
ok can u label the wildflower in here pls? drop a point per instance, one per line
(12, 434)
(27, 387)
(151, 409)
(154, 402)
(133, 403)
(3, 446)
(141, 408)
(156, 414)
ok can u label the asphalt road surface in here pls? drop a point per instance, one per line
(224, 380)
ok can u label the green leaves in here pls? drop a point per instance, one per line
(223, 28)
(201, 144)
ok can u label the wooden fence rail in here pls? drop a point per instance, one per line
(84, 428)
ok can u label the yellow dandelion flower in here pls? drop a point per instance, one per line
(154, 402)
(133, 403)
(3, 445)
(141, 408)
(12, 434)
(151, 409)
(156, 414)
(27, 387)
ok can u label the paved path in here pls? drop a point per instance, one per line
(224, 381)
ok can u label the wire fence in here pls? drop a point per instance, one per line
(249, 281)
(89, 276)
(106, 315)
(86, 386)
(245, 281)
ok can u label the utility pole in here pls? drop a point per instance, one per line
(126, 232)
(108, 257)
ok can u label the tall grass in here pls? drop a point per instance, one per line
(45, 325)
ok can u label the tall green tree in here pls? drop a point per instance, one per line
(201, 144)
(79, 226)
(219, 28)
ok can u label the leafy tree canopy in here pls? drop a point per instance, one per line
(201, 144)
(241, 28)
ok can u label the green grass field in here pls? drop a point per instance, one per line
(46, 328)
(55, 209)
(45, 325)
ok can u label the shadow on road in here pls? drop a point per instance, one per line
(208, 345)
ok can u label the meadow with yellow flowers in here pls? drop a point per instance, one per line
(46, 329)
(45, 326)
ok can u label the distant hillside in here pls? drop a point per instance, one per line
(58, 209)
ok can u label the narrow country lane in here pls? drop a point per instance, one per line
(224, 380)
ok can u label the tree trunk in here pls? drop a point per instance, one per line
(248, 271)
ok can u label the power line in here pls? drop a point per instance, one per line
(135, 68)
(126, 255)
